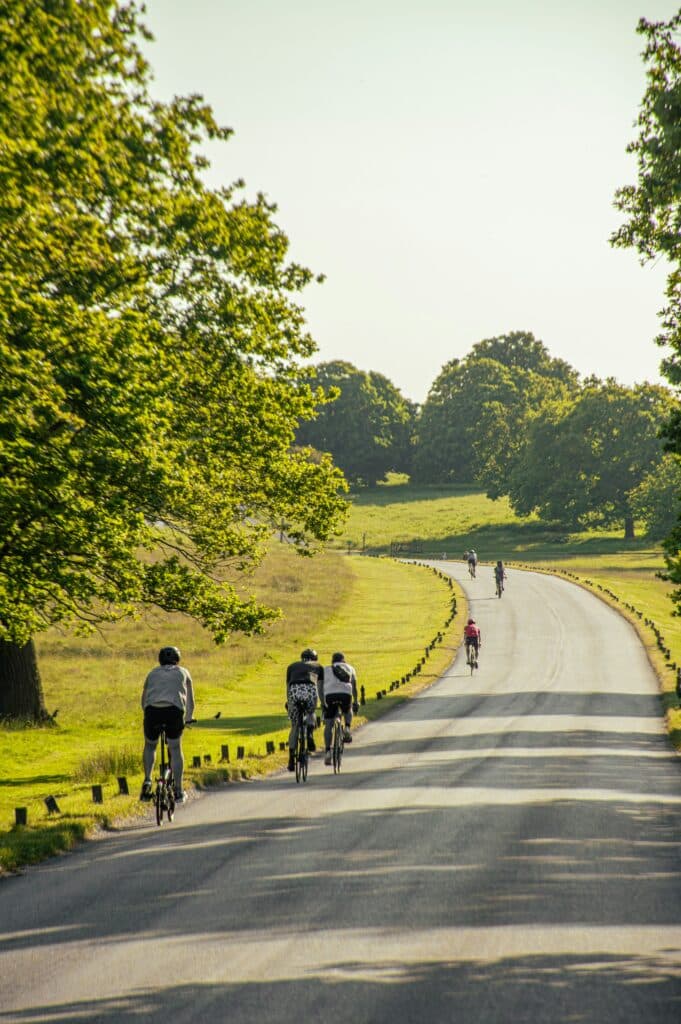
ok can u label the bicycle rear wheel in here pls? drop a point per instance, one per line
(337, 749)
(158, 801)
(301, 754)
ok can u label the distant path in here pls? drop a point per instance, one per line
(502, 849)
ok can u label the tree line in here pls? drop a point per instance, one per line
(515, 421)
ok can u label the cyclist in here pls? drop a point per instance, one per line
(168, 703)
(472, 638)
(302, 679)
(472, 559)
(499, 573)
(338, 689)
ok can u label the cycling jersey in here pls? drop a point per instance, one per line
(169, 686)
(332, 684)
(472, 634)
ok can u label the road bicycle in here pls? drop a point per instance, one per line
(471, 657)
(337, 740)
(164, 797)
(302, 754)
(471, 569)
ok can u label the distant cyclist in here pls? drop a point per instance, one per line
(472, 559)
(472, 638)
(338, 689)
(499, 574)
(168, 703)
(302, 679)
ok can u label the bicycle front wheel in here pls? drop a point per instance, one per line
(158, 800)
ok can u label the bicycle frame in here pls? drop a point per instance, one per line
(164, 798)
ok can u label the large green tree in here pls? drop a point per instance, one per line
(584, 457)
(368, 427)
(653, 210)
(150, 348)
(471, 426)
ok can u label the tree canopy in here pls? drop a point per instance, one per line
(150, 345)
(471, 424)
(367, 427)
(585, 456)
(652, 208)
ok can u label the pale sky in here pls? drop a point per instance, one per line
(450, 165)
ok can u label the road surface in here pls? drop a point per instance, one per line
(501, 849)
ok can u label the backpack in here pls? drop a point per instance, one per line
(341, 672)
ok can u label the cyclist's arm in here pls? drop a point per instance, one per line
(189, 711)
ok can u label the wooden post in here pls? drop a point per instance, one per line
(97, 795)
(196, 761)
(240, 753)
(123, 786)
(20, 816)
(52, 805)
(224, 752)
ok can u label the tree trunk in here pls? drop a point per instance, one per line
(21, 689)
(629, 528)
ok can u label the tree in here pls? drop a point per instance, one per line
(150, 350)
(653, 210)
(367, 427)
(584, 457)
(657, 499)
(471, 425)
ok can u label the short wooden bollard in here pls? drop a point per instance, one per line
(362, 695)
(240, 753)
(97, 795)
(123, 786)
(379, 695)
(282, 744)
(207, 759)
(196, 761)
(20, 816)
(269, 746)
(224, 752)
(52, 805)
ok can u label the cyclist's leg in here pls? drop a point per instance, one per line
(174, 730)
(152, 731)
(346, 707)
(329, 710)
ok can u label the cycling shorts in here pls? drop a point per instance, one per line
(302, 697)
(156, 718)
(334, 700)
(472, 641)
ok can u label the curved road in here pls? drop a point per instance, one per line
(500, 849)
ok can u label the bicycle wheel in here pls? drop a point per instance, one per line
(472, 661)
(301, 752)
(158, 800)
(337, 749)
(499, 589)
(170, 803)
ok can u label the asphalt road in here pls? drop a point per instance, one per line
(501, 849)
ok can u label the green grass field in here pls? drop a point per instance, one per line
(379, 612)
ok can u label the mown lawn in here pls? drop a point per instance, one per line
(379, 612)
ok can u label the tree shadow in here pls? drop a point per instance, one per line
(524, 989)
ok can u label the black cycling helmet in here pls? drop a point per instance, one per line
(308, 655)
(169, 656)
(337, 657)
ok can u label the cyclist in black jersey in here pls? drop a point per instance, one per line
(302, 679)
